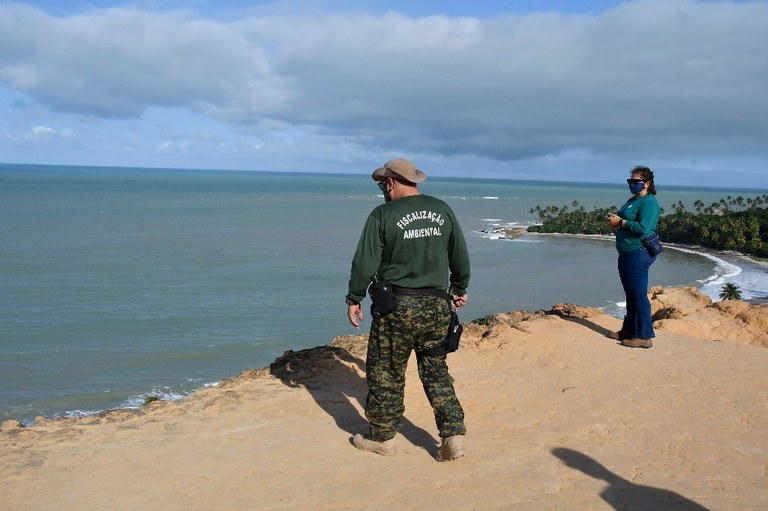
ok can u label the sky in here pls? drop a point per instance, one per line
(565, 90)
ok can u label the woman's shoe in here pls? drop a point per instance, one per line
(621, 335)
(637, 343)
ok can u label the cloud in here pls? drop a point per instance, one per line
(660, 78)
(42, 130)
(41, 133)
(117, 62)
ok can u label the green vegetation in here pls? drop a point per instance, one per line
(730, 224)
(150, 399)
(485, 320)
(730, 291)
(573, 219)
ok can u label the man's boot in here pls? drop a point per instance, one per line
(386, 448)
(451, 448)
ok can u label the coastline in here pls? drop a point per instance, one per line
(723, 254)
(742, 261)
(103, 317)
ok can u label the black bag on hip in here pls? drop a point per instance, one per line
(382, 296)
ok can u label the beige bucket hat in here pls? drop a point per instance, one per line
(399, 168)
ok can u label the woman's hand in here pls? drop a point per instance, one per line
(613, 220)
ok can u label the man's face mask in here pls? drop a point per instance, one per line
(385, 189)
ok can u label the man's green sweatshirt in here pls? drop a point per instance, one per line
(414, 241)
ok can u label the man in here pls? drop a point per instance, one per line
(414, 243)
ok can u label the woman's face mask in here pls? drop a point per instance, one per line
(635, 186)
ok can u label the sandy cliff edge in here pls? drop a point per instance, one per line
(559, 417)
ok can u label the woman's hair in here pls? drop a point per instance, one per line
(647, 175)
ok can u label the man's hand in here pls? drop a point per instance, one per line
(355, 314)
(458, 301)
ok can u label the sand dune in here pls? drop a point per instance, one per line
(559, 417)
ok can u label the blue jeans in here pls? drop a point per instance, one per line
(633, 272)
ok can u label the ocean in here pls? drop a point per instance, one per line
(117, 284)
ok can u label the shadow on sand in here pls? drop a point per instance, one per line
(623, 494)
(589, 324)
(332, 376)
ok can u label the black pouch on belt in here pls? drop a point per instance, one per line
(451, 341)
(382, 296)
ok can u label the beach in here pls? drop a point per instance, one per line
(558, 415)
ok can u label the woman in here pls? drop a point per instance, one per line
(634, 221)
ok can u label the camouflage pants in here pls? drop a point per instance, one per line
(420, 323)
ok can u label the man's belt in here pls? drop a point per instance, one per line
(422, 291)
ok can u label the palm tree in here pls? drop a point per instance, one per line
(730, 291)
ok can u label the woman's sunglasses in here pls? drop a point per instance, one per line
(635, 181)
